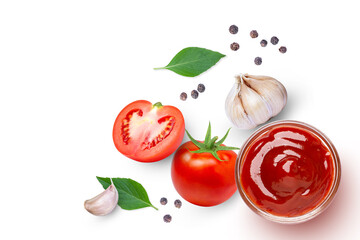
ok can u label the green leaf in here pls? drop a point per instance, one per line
(192, 61)
(132, 194)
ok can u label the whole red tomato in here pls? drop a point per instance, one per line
(203, 173)
(148, 133)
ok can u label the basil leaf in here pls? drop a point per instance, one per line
(132, 194)
(105, 182)
(193, 61)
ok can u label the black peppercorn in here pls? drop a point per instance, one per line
(234, 46)
(194, 94)
(258, 61)
(233, 29)
(263, 43)
(201, 87)
(177, 203)
(254, 34)
(274, 40)
(183, 96)
(282, 49)
(167, 218)
(163, 201)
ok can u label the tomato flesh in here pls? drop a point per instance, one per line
(137, 126)
(148, 133)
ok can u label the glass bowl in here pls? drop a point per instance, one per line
(253, 202)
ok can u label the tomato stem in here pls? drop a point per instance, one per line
(210, 145)
(158, 105)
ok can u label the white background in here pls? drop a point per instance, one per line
(68, 67)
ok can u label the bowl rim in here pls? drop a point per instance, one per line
(321, 206)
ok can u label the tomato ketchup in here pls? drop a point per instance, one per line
(288, 169)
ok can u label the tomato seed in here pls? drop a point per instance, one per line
(170, 122)
(125, 124)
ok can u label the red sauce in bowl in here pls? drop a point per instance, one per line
(287, 170)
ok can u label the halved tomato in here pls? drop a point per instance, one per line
(148, 133)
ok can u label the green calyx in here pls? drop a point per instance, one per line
(210, 145)
(158, 105)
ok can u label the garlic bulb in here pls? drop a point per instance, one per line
(254, 100)
(104, 203)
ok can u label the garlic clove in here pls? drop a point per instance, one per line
(254, 105)
(104, 203)
(270, 89)
(253, 100)
(235, 110)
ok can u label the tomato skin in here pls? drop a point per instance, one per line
(133, 148)
(200, 178)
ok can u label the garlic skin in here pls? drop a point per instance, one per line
(104, 203)
(253, 100)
